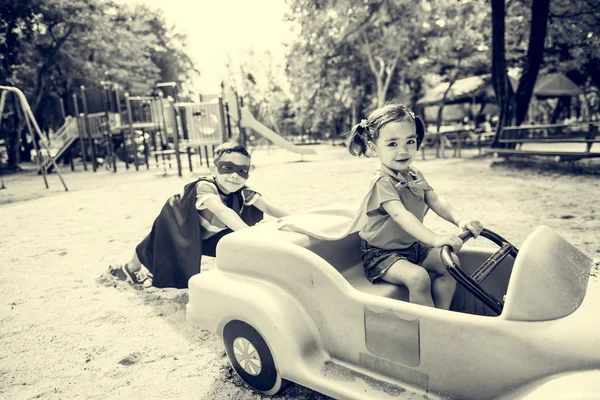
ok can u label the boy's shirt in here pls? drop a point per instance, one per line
(207, 189)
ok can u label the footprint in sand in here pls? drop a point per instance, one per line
(131, 359)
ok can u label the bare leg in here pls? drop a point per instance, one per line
(414, 277)
(135, 263)
(444, 284)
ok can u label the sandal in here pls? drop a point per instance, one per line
(139, 277)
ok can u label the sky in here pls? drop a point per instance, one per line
(218, 28)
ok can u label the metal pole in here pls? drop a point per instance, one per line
(131, 131)
(38, 154)
(30, 120)
(88, 129)
(80, 131)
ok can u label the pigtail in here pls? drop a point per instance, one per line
(359, 136)
(420, 128)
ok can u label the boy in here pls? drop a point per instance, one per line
(191, 225)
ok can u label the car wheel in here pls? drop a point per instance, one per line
(251, 358)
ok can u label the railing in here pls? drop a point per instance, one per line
(569, 141)
(456, 140)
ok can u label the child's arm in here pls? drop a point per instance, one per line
(445, 210)
(414, 227)
(225, 214)
(270, 209)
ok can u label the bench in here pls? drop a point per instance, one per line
(526, 138)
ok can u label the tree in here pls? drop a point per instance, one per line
(513, 106)
(63, 45)
(456, 43)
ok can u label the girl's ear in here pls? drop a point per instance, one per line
(212, 169)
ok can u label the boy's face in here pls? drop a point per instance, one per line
(231, 171)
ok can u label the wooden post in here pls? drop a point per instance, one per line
(229, 134)
(87, 127)
(80, 132)
(242, 132)
(222, 120)
(131, 132)
(176, 132)
(62, 108)
(109, 145)
(591, 135)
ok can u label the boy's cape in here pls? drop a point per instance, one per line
(172, 250)
(353, 221)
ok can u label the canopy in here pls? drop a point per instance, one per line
(478, 88)
(555, 85)
(457, 112)
(462, 91)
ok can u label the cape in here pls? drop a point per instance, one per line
(172, 250)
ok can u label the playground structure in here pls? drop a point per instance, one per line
(135, 129)
(32, 127)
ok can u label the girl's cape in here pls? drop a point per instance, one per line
(172, 250)
(349, 221)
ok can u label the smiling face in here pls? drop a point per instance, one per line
(397, 145)
(231, 171)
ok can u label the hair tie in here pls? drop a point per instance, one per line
(363, 123)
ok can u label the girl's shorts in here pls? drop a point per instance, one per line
(377, 261)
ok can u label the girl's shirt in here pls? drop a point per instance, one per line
(380, 229)
(208, 189)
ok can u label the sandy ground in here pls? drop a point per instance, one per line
(69, 331)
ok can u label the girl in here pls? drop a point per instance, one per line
(395, 244)
(191, 225)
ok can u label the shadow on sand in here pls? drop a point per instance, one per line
(169, 305)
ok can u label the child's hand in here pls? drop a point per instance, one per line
(451, 240)
(471, 225)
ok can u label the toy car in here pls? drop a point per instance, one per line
(523, 323)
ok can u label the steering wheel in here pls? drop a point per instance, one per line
(473, 282)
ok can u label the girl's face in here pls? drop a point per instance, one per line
(397, 145)
(231, 171)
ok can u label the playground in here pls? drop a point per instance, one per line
(71, 331)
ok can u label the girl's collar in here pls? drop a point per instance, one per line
(398, 175)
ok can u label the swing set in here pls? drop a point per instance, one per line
(33, 130)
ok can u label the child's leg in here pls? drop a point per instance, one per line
(134, 265)
(132, 272)
(444, 284)
(414, 277)
(209, 246)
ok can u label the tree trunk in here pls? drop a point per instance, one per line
(535, 55)
(441, 109)
(502, 87)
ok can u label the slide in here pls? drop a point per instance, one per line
(248, 121)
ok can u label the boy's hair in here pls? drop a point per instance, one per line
(368, 129)
(227, 148)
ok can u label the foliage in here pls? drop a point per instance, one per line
(353, 55)
(52, 47)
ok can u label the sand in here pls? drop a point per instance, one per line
(67, 330)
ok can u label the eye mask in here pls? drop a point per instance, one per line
(228, 168)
